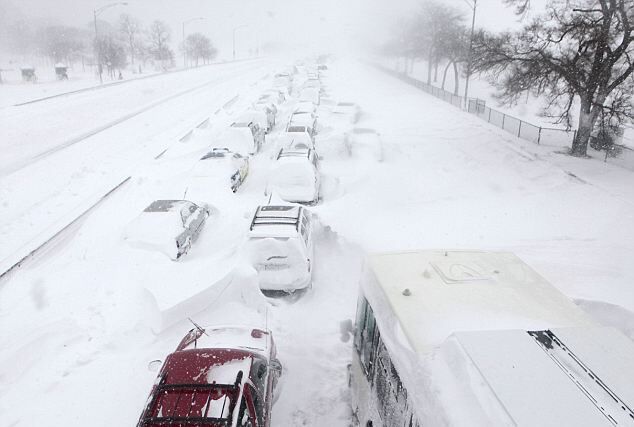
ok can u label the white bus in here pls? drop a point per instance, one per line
(480, 339)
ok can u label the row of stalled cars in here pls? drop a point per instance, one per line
(226, 376)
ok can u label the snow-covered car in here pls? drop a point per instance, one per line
(310, 94)
(294, 141)
(366, 142)
(283, 80)
(217, 170)
(313, 83)
(257, 133)
(168, 226)
(294, 176)
(218, 376)
(280, 247)
(309, 120)
(305, 107)
(348, 111)
(255, 116)
(278, 94)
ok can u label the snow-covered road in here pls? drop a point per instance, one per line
(80, 322)
(44, 194)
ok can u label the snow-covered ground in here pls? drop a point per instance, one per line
(80, 321)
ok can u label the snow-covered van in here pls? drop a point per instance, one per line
(466, 338)
(280, 247)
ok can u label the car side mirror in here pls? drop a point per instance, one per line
(154, 365)
(276, 366)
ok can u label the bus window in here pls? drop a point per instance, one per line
(360, 319)
(368, 341)
(388, 384)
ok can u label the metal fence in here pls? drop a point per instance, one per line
(553, 137)
(520, 128)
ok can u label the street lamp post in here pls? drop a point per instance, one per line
(473, 5)
(234, 39)
(96, 13)
(200, 18)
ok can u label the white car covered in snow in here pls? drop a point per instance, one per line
(294, 176)
(347, 111)
(294, 141)
(280, 247)
(167, 226)
(258, 117)
(218, 170)
(308, 120)
(310, 94)
(305, 107)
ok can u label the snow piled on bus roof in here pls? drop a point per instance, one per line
(449, 292)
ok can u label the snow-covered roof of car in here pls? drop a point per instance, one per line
(237, 337)
(436, 293)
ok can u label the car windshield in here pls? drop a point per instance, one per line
(296, 129)
(161, 206)
(215, 154)
(180, 402)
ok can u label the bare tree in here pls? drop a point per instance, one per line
(427, 30)
(111, 54)
(130, 28)
(159, 36)
(576, 50)
(198, 46)
(61, 43)
(454, 48)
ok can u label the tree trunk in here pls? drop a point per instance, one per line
(132, 50)
(444, 75)
(587, 118)
(436, 71)
(429, 65)
(456, 77)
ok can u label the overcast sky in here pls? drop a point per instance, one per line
(326, 24)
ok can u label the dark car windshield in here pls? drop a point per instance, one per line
(162, 206)
(296, 129)
(214, 154)
(192, 402)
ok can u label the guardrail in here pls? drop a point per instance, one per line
(9, 265)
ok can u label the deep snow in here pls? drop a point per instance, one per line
(80, 321)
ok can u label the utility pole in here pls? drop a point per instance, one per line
(234, 39)
(473, 7)
(96, 13)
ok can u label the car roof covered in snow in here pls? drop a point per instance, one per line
(437, 293)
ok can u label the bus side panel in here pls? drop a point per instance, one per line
(363, 406)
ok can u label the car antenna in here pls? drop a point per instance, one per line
(200, 328)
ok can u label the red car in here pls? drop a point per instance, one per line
(218, 376)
